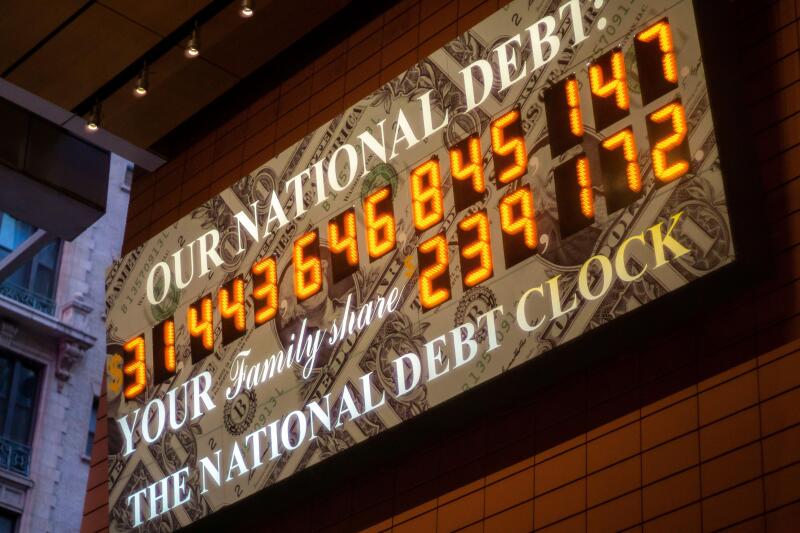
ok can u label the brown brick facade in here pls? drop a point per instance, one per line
(696, 430)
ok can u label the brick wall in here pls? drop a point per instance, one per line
(697, 429)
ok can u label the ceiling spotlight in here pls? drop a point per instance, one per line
(142, 82)
(246, 9)
(93, 124)
(193, 46)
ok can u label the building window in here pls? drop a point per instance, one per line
(8, 521)
(92, 428)
(19, 387)
(34, 283)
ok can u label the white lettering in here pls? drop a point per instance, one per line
(166, 281)
(487, 78)
(507, 60)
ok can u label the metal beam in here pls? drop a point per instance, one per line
(103, 138)
(24, 252)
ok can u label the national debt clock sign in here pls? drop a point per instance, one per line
(538, 177)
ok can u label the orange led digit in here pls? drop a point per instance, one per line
(434, 281)
(307, 266)
(379, 219)
(469, 182)
(265, 289)
(346, 244)
(170, 361)
(518, 224)
(201, 328)
(473, 171)
(134, 367)
(426, 194)
(625, 140)
(674, 118)
(617, 85)
(658, 64)
(663, 31)
(508, 148)
(343, 245)
(609, 85)
(574, 195)
(231, 309)
(476, 251)
(562, 104)
(164, 355)
(622, 177)
(585, 183)
(574, 104)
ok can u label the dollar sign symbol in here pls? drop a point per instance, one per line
(114, 371)
(409, 263)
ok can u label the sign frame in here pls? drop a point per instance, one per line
(518, 384)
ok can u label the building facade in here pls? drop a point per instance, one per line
(52, 313)
(689, 424)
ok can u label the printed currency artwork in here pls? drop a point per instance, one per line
(538, 177)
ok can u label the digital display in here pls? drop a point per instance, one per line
(265, 290)
(670, 151)
(426, 195)
(134, 367)
(307, 266)
(574, 195)
(466, 169)
(508, 148)
(618, 170)
(564, 118)
(622, 175)
(658, 65)
(434, 281)
(608, 79)
(165, 358)
(200, 324)
(491, 204)
(343, 245)
(379, 220)
(232, 310)
(474, 235)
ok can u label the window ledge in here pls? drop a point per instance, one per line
(16, 479)
(43, 323)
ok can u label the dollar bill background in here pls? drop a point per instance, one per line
(705, 230)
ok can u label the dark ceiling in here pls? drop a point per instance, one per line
(76, 52)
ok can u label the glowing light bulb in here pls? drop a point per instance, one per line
(93, 123)
(246, 9)
(193, 46)
(141, 83)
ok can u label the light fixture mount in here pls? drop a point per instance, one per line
(93, 123)
(246, 9)
(142, 83)
(193, 46)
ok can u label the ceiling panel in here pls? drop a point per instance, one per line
(178, 88)
(24, 23)
(162, 16)
(82, 57)
(242, 45)
(231, 47)
(71, 50)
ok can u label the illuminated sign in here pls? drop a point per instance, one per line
(538, 177)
